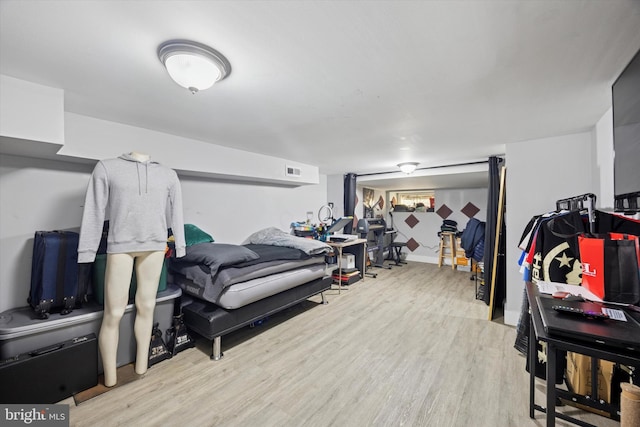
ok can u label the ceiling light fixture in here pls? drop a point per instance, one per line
(408, 167)
(193, 65)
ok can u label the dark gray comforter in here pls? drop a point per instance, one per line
(213, 267)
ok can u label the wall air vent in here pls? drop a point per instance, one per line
(293, 171)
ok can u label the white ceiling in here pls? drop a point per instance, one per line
(349, 86)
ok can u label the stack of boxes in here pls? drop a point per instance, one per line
(462, 262)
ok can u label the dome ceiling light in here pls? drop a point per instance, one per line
(193, 65)
(408, 167)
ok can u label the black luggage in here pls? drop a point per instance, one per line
(54, 272)
(51, 374)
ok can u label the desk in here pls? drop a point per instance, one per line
(340, 246)
(555, 344)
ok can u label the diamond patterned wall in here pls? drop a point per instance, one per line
(412, 221)
(444, 212)
(420, 229)
(412, 245)
(470, 210)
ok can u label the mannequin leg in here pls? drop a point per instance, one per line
(116, 295)
(148, 271)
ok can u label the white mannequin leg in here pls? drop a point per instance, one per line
(116, 294)
(148, 271)
(117, 282)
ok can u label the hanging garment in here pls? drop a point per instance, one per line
(472, 239)
(556, 253)
(553, 255)
(612, 223)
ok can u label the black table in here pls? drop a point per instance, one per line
(556, 344)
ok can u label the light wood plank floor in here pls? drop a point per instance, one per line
(411, 347)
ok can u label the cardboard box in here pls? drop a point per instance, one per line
(348, 261)
(578, 375)
(478, 267)
(462, 260)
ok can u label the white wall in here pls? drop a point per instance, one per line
(36, 195)
(539, 172)
(31, 111)
(231, 212)
(91, 138)
(39, 194)
(602, 135)
(335, 194)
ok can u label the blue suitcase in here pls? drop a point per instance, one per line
(54, 272)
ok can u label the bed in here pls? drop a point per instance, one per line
(229, 286)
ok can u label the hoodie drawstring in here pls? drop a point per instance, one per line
(138, 170)
(146, 173)
(146, 178)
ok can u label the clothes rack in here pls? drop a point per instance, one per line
(584, 201)
(629, 202)
(581, 203)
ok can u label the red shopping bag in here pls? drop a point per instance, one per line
(611, 266)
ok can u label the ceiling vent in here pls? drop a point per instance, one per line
(293, 171)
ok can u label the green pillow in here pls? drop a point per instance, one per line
(193, 235)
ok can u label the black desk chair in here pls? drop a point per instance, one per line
(363, 230)
(395, 252)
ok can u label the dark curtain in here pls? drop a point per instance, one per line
(495, 165)
(349, 198)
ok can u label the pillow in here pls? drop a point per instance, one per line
(216, 255)
(277, 237)
(193, 235)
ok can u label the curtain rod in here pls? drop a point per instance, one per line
(427, 168)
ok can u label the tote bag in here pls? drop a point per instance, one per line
(611, 266)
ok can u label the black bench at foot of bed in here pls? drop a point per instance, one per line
(211, 321)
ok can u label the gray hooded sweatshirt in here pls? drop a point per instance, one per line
(141, 200)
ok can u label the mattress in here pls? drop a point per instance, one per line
(246, 292)
(243, 293)
(209, 278)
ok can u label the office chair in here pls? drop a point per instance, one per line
(395, 252)
(363, 230)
